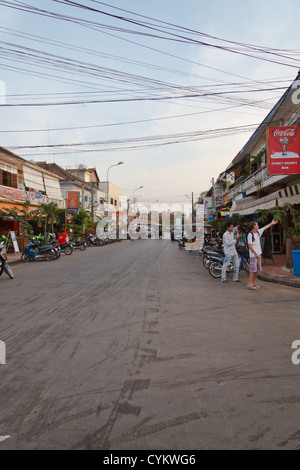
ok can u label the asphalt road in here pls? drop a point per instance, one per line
(135, 346)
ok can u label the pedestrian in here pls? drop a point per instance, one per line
(236, 230)
(255, 251)
(241, 240)
(246, 227)
(230, 252)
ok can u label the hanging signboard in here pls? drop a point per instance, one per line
(218, 195)
(283, 150)
(73, 202)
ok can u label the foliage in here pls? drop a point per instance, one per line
(252, 160)
(60, 220)
(279, 213)
(46, 215)
(91, 227)
(15, 214)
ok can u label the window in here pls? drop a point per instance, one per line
(112, 201)
(115, 202)
(8, 179)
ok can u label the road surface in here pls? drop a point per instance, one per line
(135, 346)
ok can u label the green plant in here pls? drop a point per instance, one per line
(254, 160)
(279, 213)
(17, 215)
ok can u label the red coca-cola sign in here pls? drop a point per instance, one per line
(283, 150)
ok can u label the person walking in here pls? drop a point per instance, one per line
(255, 251)
(230, 252)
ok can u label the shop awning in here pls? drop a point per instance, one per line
(290, 195)
(246, 206)
(6, 205)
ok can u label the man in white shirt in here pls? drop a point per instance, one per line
(229, 242)
(255, 251)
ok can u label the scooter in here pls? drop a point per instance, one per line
(3, 262)
(35, 252)
(79, 245)
(66, 248)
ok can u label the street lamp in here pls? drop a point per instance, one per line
(107, 189)
(140, 187)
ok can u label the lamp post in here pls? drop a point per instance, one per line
(107, 189)
(140, 187)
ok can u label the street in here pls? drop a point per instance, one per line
(135, 346)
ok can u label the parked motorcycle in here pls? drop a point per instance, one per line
(215, 268)
(93, 240)
(79, 245)
(66, 248)
(3, 262)
(36, 252)
(210, 254)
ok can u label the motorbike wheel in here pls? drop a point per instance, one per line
(82, 247)
(206, 261)
(215, 269)
(247, 267)
(1, 266)
(68, 250)
(25, 258)
(48, 256)
(8, 271)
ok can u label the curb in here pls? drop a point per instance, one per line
(292, 282)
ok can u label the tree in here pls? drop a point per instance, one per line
(47, 214)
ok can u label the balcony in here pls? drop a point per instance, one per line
(39, 198)
(258, 180)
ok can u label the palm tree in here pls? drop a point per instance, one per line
(48, 213)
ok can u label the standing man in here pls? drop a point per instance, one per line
(255, 251)
(229, 243)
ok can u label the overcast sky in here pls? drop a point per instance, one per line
(143, 82)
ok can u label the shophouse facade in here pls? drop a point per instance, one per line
(22, 181)
(91, 197)
(249, 188)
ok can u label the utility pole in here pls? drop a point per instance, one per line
(193, 208)
(213, 193)
(92, 205)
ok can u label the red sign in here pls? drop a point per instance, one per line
(283, 150)
(73, 199)
(11, 193)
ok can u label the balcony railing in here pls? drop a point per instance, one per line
(258, 180)
(42, 199)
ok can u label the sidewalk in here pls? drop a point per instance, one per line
(277, 272)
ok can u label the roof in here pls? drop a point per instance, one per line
(284, 110)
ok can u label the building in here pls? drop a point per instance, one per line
(249, 188)
(22, 181)
(83, 180)
(113, 194)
